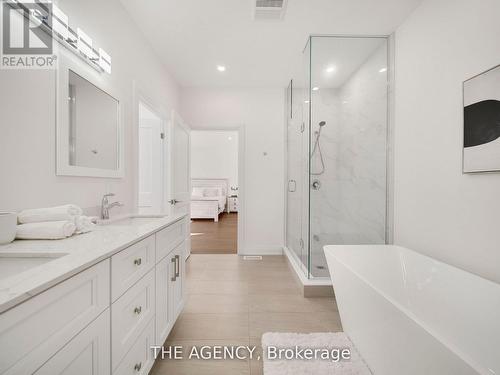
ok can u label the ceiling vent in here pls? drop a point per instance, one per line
(269, 9)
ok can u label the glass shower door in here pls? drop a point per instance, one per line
(298, 139)
(297, 176)
(348, 143)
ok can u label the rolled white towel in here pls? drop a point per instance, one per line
(83, 224)
(51, 230)
(58, 213)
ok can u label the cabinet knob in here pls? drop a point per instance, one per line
(138, 310)
(138, 261)
(138, 366)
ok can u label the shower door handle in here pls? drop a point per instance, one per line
(292, 186)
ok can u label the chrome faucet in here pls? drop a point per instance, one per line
(106, 206)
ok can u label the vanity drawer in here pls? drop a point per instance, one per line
(35, 330)
(130, 314)
(167, 239)
(129, 265)
(139, 359)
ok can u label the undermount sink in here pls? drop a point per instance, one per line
(13, 263)
(131, 220)
(134, 221)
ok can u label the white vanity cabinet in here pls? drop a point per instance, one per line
(87, 353)
(139, 358)
(34, 331)
(177, 282)
(169, 238)
(104, 319)
(152, 297)
(170, 279)
(164, 316)
(130, 315)
(170, 286)
(130, 265)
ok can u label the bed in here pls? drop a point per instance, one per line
(208, 198)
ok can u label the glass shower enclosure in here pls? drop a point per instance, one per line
(337, 148)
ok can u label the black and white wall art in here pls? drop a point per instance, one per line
(481, 151)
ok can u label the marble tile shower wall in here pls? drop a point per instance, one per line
(350, 206)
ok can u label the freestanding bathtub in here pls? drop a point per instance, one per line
(409, 314)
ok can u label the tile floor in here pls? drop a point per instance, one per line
(233, 302)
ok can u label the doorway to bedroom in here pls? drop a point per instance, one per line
(214, 191)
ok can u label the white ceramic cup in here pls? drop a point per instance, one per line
(8, 226)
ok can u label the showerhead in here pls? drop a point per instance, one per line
(322, 123)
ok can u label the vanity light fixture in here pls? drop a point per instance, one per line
(78, 42)
(60, 22)
(221, 68)
(84, 45)
(104, 61)
(71, 40)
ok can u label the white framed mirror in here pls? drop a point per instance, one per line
(89, 123)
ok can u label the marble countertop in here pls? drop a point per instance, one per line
(78, 253)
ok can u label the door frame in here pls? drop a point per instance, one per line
(168, 176)
(241, 243)
(140, 97)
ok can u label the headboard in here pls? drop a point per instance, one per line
(211, 183)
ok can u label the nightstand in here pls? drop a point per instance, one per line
(232, 204)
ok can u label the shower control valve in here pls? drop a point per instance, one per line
(316, 185)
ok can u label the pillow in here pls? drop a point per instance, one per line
(212, 192)
(197, 192)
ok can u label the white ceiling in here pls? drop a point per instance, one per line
(192, 37)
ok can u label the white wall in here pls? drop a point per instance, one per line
(27, 113)
(214, 154)
(262, 113)
(438, 210)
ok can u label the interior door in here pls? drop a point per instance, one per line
(150, 199)
(180, 171)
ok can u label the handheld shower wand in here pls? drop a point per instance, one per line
(317, 147)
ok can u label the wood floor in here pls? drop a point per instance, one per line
(209, 237)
